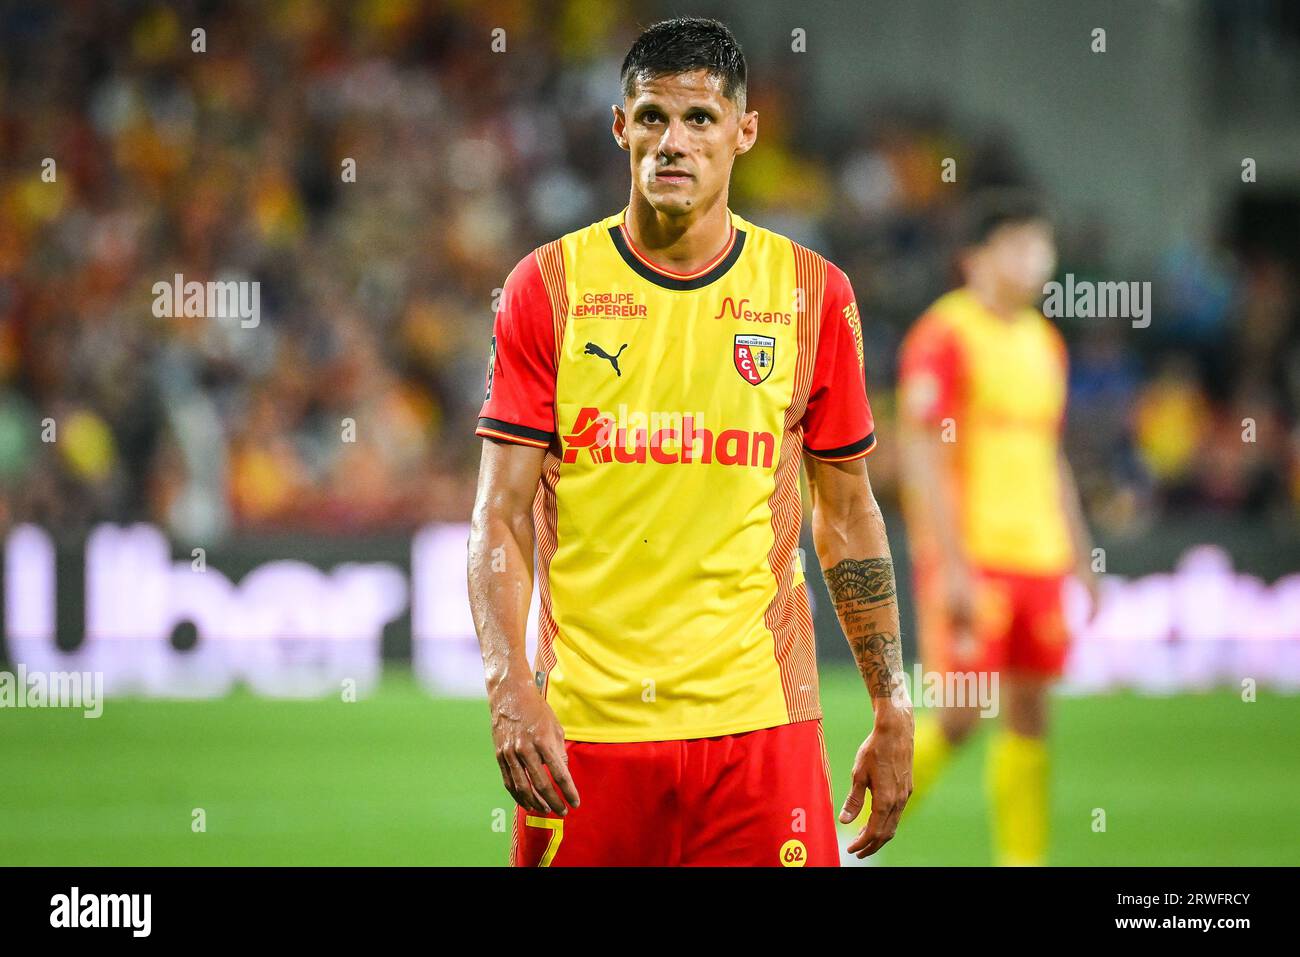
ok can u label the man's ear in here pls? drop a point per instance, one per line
(747, 133)
(620, 127)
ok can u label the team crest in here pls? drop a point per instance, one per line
(755, 357)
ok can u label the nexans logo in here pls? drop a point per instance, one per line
(681, 440)
(739, 309)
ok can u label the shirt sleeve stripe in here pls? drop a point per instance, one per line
(514, 433)
(846, 452)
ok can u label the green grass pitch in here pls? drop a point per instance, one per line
(403, 778)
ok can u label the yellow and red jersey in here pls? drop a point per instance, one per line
(674, 410)
(995, 387)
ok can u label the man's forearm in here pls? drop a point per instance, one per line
(925, 465)
(1080, 536)
(860, 579)
(500, 591)
(864, 597)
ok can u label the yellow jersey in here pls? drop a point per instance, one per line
(995, 388)
(674, 410)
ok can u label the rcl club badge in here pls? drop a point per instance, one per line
(755, 357)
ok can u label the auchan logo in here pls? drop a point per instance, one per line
(679, 441)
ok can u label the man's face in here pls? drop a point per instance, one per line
(683, 136)
(1020, 257)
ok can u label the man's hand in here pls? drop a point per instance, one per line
(883, 767)
(529, 741)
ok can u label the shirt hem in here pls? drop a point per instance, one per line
(687, 734)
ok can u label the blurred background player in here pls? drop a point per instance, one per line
(991, 507)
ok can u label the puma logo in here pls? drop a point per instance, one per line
(594, 350)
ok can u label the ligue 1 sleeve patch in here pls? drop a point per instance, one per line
(755, 357)
(492, 368)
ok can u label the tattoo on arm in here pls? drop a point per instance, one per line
(865, 601)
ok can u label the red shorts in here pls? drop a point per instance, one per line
(757, 799)
(1019, 625)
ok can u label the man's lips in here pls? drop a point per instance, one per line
(673, 175)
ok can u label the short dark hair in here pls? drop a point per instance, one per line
(987, 210)
(683, 45)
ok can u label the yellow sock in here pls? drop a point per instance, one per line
(930, 753)
(1017, 783)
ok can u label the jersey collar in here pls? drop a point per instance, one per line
(713, 270)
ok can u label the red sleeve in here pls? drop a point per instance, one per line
(930, 372)
(520, 402)
(837, 424)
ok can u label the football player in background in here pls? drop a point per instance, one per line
(992, 512)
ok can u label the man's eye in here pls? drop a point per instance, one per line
(699, 119)
(650, 116)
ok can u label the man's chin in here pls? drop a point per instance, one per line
(670, 201)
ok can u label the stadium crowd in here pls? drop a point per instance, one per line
(376, 294)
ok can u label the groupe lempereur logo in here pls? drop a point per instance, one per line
(1085, 299)
(75, 909)
(21, 688)
(227, 299)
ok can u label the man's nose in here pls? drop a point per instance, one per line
(673, 143)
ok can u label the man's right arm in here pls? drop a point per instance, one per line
(930, 377)
(517, 424)
(529, 739)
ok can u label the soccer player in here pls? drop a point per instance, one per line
(656, 378)
(993, 516)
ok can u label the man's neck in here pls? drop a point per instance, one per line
(989, 297)
(678, 243)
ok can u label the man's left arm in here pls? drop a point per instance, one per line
(849, 535)
(1071, 502)
(1080, 537)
